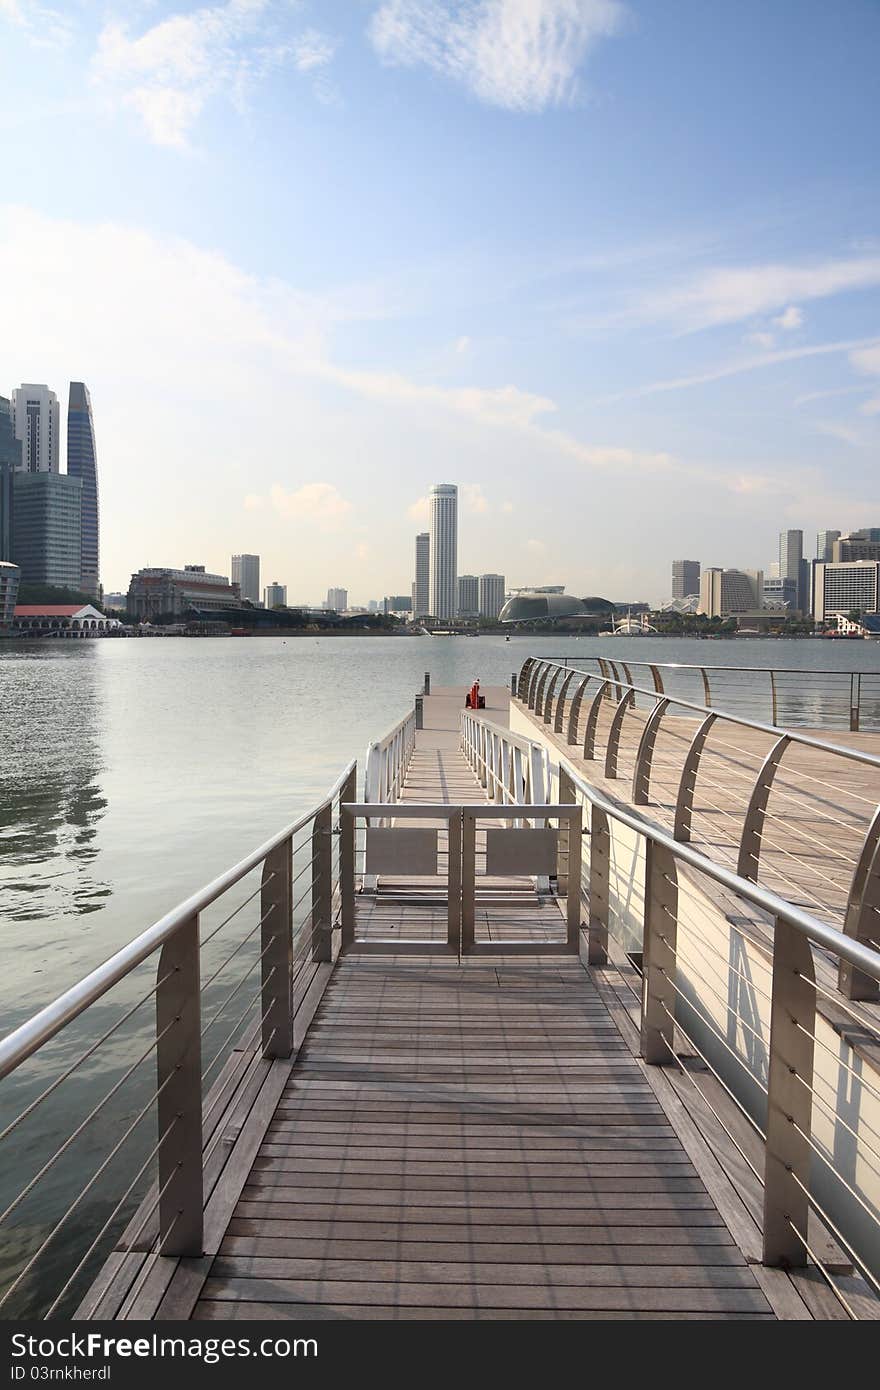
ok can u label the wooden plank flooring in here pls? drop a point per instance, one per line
(471, 1140)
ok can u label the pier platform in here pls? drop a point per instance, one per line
(471, 1137)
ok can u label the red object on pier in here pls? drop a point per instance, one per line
(473, 699)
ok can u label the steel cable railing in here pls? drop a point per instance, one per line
(785, 806)
(279, 933)
(780, 1061)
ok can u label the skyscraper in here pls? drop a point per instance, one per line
(825, 544)
(468, 596)
(35, 420)
(337, 600)
(422, 585)
(491, 595)
(246, 574)
(791, 565)
(275, 595)
(685, 578)
(47, 538)
(10, 463)
(82, 462)
(443, 504)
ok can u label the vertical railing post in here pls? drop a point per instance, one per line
(855, 702)
(565, 846)
(276, 944)
(513, 682)
(347, 845)
(427, 689)
(774, 704)
(658, 955)
(420, 712)
(322, 885)
(455, 893)
(179, 1104)
(789, 1098)
(574, 869)
(600, 885)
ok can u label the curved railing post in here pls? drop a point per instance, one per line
(539, 690)
(707, 689)
(548, 698)
(179, 1103)
(862, 919)
(522, 689)
(684, 801)
(534, 681)
(645, 754)
(560, 703)
(659, 955)
(774, 708)
(789, 1098)
(613, 745)
(574, 712)
(592, 721)
(657, 679)
(753, 825)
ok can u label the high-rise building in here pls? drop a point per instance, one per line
(685, 578)
(491, 595)
(846, 587)
(825, 544)
(47, 535)
(337, 600)
(468, 598)
(724, 592)
(857, 545)
(275, 595)
(82, 462)
(35, 419)
(10, 575)
(791, 564)
(10, 463)
(422, 584)
(246, 574)
(443, 505)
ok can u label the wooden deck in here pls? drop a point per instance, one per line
(469, 1140)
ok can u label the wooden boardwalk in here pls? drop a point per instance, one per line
(475, 1140)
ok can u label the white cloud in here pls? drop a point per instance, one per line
(473, 498)
(44, 27)
(253, 502)
(731, 294)
(536, 547)
(792, 317)
(867, 361)
(761, 340)
(463, 344)
(419, 510)
(169, 72)
(319, 503)
(522, 55)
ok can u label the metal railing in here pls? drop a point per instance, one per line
(809, 697)
(798, 813)
(642, 894)
(388, 759)
(219, 1011)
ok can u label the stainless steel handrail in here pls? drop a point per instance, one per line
(23, 1041)
(845, 887)
(787, 1177)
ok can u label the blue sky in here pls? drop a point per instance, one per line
(613, 268)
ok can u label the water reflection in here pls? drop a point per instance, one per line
(51, 798)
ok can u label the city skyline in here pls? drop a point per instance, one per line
(582, 350)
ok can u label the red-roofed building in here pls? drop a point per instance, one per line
(62, 620)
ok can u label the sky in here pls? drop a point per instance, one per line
(613, 268)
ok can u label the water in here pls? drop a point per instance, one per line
(131, 773)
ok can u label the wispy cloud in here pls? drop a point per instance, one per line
(171, 71)
(43, 26)
(320, 504)
(523, 55)
(867, 360)
(733, 294)
(744, 364)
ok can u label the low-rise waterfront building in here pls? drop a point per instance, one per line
(62, 620)
(155, 591)
(10, 577)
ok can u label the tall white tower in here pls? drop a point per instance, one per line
(443, 503)
(35, 419)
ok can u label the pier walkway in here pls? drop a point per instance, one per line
(475, 1140)
(470, 1134)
